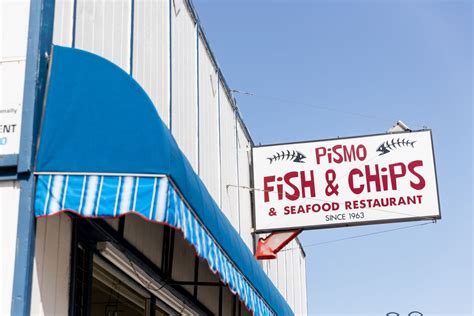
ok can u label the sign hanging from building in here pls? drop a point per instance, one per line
(345, 181)
(9, 130)
(12, 71)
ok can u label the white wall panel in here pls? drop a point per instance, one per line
(243, 147)
(304, 297)
(273, 271)
(145, 236)
(288, 274)
(103, 27)
(297, 284)
(50, 289)
(281, 270)
(184, 96)
(183, 261)
(63, 22)
(113, 222)
(290, 296)
(227, 302)
(151, 52)
(9, 200)
(230, 201)
(208, 295)
(208, 124)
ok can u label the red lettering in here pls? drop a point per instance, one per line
(320, 152)
(361, 152)
(372, 178)
(266, 188)
(394, 175)
(421, 181)
(356, 190)
(340, 153)
(316, 208)
(339, 157)
(296, 193)
(348, 154)
(305, 184)
(392, 201)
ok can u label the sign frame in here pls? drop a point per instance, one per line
(345, 224)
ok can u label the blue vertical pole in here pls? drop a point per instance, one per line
(40, 35)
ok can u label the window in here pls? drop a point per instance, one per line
(112, 297)
(103, 290)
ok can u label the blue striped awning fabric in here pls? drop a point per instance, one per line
(153, 198)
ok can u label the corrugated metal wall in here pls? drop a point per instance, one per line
(104, 28)
(9, 201)
(229, 176)
(63, 22)
(244, 158)
(184, 80)
(171, 60)
(209, 163)
(288, 273)
(151, 52)
(146, 237)
(50, 290)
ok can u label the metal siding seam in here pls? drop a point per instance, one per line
(285, 276)
(170, 75)
(197, 101)
(73, 266)
(132, 25)
(300, 288)
(74, 20)
(40, 36)
(238, 170)
(219, 157)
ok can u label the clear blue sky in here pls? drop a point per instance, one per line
(385, 60)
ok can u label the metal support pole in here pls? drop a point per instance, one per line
(40, 36)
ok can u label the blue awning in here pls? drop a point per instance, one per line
(104, 151)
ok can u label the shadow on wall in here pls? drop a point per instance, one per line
(50, 289)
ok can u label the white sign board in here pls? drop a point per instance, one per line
(10, 119)
(13, 42)
(346, 181)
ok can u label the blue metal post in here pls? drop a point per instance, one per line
(40, 34)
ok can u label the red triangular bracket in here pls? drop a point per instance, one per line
(268, 247)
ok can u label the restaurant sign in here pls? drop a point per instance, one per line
(345, 181)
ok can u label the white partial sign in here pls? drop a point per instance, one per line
(13, 40)
(10, 120)
(341, 182)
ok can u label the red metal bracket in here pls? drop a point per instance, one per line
(268, 247)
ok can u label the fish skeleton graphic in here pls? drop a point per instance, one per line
(292, 155)
(388, 145)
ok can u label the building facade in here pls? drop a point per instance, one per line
(72, 263)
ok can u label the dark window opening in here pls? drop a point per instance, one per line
(112, 297)
(101, 289)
